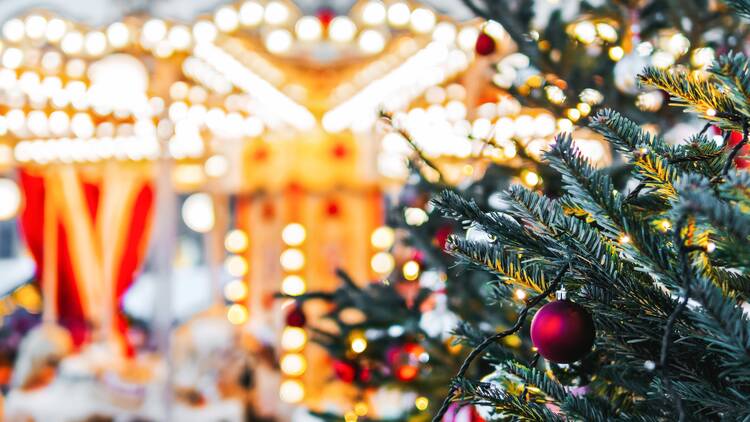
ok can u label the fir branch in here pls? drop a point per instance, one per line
(741, 6)
(495, 337)
(694, 92)
(687, 286)
(588, 188)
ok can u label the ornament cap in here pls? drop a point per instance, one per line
(561, 294)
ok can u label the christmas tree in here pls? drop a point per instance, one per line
(656, 277)
(382, 330)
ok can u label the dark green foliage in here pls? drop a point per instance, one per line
(628, 270)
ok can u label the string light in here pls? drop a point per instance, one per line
(292, 391)
(198, 212)
(276, 13)
(237, 314)
(358, 344)
(294, 234)
(293, 339)
(382, 237)
(520, 294)
(251, 13)
(293, 285)
(373, 13)
(308, 28)
(421, 403)
(411, 270)
(118, 34)
(292, 260)
(371, 41)
(342, 29)
(10, 199)
(399, 14)
(382, 263)
(236, 265)
(293, 364)
(235, 290)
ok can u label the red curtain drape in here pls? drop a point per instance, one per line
(71, 312)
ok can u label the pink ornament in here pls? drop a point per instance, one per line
(562, 331)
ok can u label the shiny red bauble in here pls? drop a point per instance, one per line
(295, 317)
(345, 371)
(404, 360)
(562, 331)
(485, 45)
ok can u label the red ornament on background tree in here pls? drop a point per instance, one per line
(345, 371)
(739, 161)
(562, 331)
(404, 360)
(296, 317)
(485, 44)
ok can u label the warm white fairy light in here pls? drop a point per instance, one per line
(72, 43)
(235, 290)
(424, 69)
(422, 20)
(13, 30)
(237, 314)
(292, 260)
(293, 234)
(293, 339)
(382, 263)
(118, 34)
(292, 391)
(226, 19)
(56, 29)
(293, 364)
(251, 13)
(35, 26)
(236, 265)
(276, 13)
(371, 41)
(293, 285)
(179, 37)
(198, 212)
(467, 38)
(278, 41)
(373, 13)
(268, 97)
(95, 43)
(204, 32)
(399, 14)
(382, 237)
(154, 30)
(10, 199)
(308, 28)
(236, 241)
(342, 29)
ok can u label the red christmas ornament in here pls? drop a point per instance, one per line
(404, 360)
(345, 371)
(562, 331)
(739, 161)
(295, 317)
(365, 375)
(441, 236)
(485, 45)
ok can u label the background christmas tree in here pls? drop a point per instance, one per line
(662, 270)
